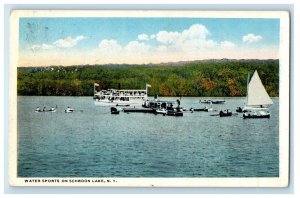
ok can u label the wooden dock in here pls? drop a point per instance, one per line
(139, 110)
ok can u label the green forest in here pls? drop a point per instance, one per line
(219, 78)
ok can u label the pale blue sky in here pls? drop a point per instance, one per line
(46, 35)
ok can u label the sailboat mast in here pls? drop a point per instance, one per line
(248, 79)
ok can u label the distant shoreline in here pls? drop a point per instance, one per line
(178, 63)
(208, 78)
(151, 97)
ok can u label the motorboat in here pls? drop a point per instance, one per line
(209, 101)
(114, 110)
(225, 113)
(69, 110)
(52, 109)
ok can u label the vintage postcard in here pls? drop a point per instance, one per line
(149, 98)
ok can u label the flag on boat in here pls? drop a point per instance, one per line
(96, 84)
(148, 85)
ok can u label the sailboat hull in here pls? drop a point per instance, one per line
(248, 109)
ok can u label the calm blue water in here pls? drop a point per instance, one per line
(93, 143)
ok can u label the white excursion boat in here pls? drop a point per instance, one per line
(258, 100)
(121, 97)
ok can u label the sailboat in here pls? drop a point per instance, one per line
(258, 100)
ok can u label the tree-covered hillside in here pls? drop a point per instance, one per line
(198, 78)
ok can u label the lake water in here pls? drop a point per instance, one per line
(93, 143)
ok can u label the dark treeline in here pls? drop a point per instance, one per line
(199, 78)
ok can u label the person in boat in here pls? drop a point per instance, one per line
(113, 109)
(44, 108)
(239, 109)
(69, 109)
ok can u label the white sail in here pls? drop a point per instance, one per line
(257, 94)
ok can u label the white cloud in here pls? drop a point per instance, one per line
(110, 51)
(167, 37)
(162, 48)
(79, 38)
(143, 37)
(197, 31)
(44, 46)
(68, 41)
(227, 45)
(62, 43)
(251, 38)
(135, 47)
(109, 47)
(112, 47)
(189, 40)
(109, 44)
(192, 43)
(189, 44)
(207, 43)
